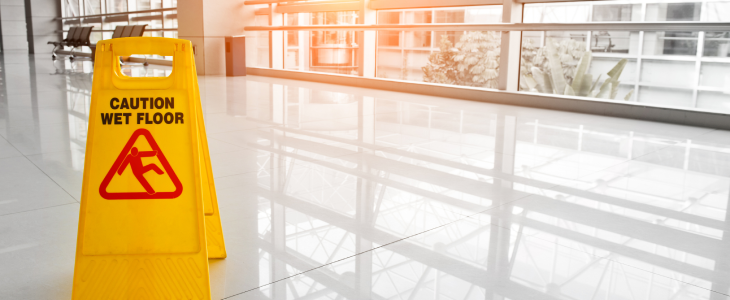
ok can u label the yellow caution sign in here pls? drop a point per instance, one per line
(149, 216)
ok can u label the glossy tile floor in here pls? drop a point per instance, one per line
(333, 192)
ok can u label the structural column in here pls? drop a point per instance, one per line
(27, 25)
(206, 23)
(42, 27)
(12, 23)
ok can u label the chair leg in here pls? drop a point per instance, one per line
(53, 52)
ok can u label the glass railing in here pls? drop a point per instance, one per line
(663, 54)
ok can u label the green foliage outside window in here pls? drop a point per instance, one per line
(473, 62)
(558, 68)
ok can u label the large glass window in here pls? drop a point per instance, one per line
(334, 51)
(160, 16)
(257, 45)
(446, 57)
(684, 69)
(668, 68)
(321, 51)
(113, 6)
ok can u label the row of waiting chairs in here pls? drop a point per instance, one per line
(76, 37)
(122, 31)
(128, 31)
(79, 37)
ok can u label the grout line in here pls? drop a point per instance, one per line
(51, 178)
(606, 257)
(472, 216)
(33, 126)
(464, 217)
(481, 212)
(287, 126)
(39, 169)
(36, 209)
(344, 258)
(210, 134)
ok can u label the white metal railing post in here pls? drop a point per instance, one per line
(276, 39)
(366, 41)
(509, 57)
(303, 52)
(698, 68)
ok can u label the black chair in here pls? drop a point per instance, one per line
(127, 31)
(82, 39)
(122, 31)
(76, 37)
(56, 45)
(133, 31)
(70, 35)
(138, 30)
(118, 32)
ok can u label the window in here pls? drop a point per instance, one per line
(668, 68)
(334, 51)
(616, 13)
(413, 55)
(106, 15)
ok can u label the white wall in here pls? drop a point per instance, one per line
(44, 27)
(14, 33)
(206, 23)
(14, 25)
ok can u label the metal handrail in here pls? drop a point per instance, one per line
(119, 13)
(594, 26)
(112, 30)
(256, 2)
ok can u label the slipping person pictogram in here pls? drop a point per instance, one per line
(134, 160)
(131, 158)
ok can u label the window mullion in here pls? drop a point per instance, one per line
(510, 51)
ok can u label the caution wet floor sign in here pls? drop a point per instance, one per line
(149, 217)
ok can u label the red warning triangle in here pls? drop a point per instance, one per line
(132, 158)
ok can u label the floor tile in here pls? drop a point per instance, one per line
(65, 168)
(39, 139)
(7, 150)
(25, 187)
(468, 259)
(37, 251)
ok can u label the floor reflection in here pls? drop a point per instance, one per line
(334, 192)
(430, 200)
